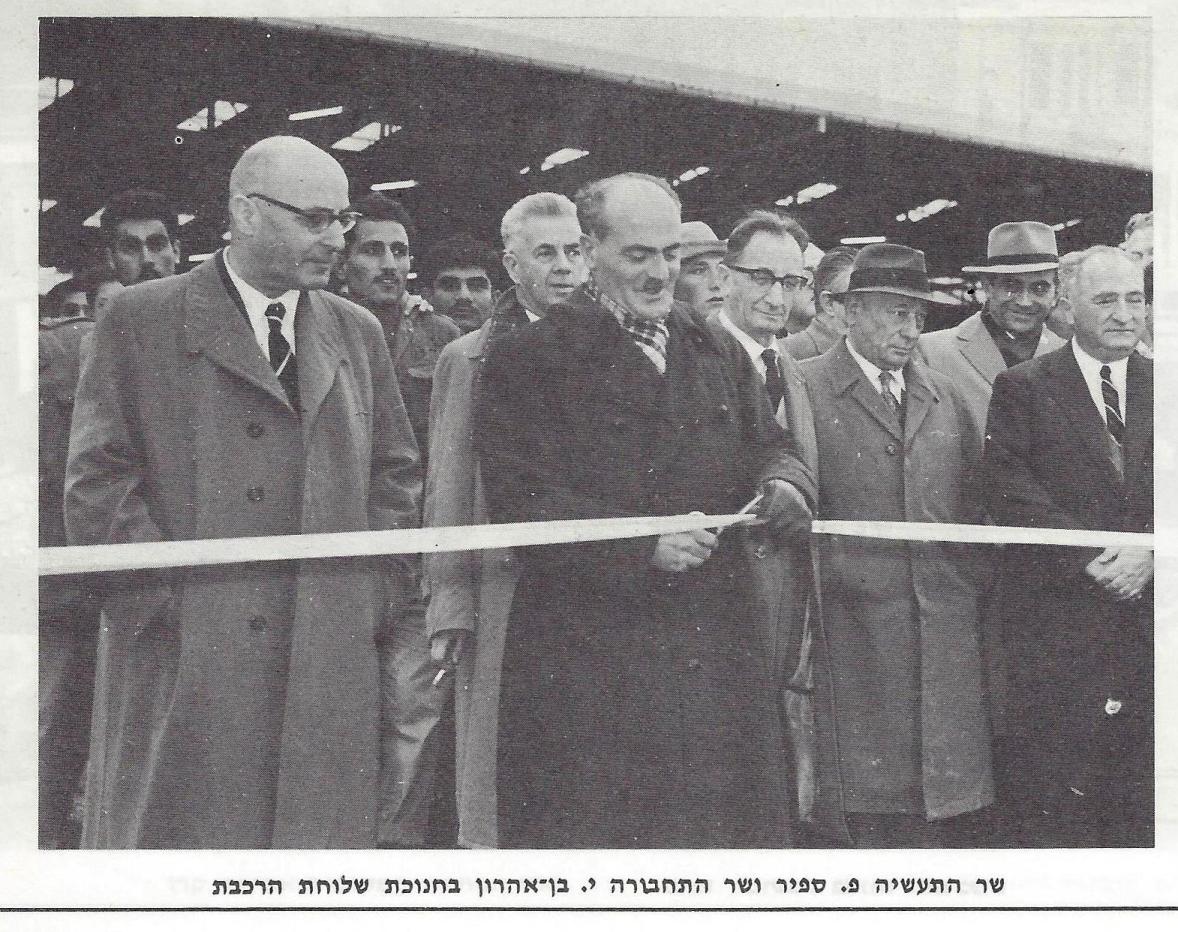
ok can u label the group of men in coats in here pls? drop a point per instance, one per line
(621, 693)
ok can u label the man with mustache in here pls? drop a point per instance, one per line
(460, 284)
(908, 747)
(375, 270)
(238, 707)
(637, 702)
(141, 232)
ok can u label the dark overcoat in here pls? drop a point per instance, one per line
(637, 706)
(237, 706)
(1071, 647)
(901, 645)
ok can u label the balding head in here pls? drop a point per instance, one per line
(274, 246)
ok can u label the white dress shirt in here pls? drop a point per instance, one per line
(872, 371)
(755, 349)
(1090, 369)
(255, 309)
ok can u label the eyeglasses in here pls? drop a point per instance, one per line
(317, 219)
(765, 279)
(454, 283)
(1016, 289)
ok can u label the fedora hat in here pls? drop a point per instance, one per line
(697, 239)
(1021, 246)
(890, 268)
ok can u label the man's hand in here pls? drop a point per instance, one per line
(677, 553)
(1123, 572)
(446, 647)
(784, 508)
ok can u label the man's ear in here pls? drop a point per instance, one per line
(511, 264)
(589, 249)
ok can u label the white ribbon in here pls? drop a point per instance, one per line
(114, 557)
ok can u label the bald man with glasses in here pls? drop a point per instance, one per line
(238, 706)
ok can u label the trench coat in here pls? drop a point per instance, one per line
(637, 707)
(1073, 648)
(901, 648)
(468, 590)
(236, 707)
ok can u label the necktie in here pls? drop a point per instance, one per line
(1112, 416)
(282, 357)
(774, 383)
(885, 383)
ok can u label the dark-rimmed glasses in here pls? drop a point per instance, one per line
(315, 219)
(765, 279)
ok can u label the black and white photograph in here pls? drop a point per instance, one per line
(679, 461)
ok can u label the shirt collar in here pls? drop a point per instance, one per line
(256, 302)
(872, 371)
(751, 346)
(1090, 364)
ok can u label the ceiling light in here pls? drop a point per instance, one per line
(95, 219)
(200, 257)
(525, 169)
(562, 157)
(924, 211)
(185, 218)
(947, 280)
(315, 114)
(47, 204)
(1066, 225)
(815, 191)
(691, 174)
(51, 89)
(862, 240)
(223, 110)
(784, 201)
(394, 185)
(365, 136)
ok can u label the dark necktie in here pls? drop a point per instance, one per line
(282, 357)
(774, 383)
(1112, 416)
(885, 383)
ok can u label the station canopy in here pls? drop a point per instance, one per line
(927, 132)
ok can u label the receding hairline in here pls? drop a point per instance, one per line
(279, 157)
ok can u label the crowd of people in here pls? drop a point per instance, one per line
(752, 686)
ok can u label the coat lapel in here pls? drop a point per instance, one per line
(848, 377)
(215, 328)
(319, 351)
(977, 346)
(1067, 387)
(919, 397)
(1138, 417)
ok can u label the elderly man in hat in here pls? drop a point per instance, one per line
(1022, 288)
(702, 284)
(899, 644)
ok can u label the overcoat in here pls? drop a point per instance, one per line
(237, 706)
(1073, 648)
(468, 590)
(901, 646)
(636, 706)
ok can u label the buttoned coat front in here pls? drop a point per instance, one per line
(888, 602)
(237, 706)
(636, 707)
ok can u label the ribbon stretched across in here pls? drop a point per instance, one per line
(113, 557)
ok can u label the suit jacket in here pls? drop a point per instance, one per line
(237, 706)
(968, 355)
(900, 619)
(1071, 647)
(637, 706)
(815, 340)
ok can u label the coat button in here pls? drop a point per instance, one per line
(254, 429)
(258, 623)
(255, 493)
(891, 449)
(694, 663)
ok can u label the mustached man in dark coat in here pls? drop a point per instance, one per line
(636, 706)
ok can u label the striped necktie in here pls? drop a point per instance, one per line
(282, 357)
(886, 379)
(1112, 417)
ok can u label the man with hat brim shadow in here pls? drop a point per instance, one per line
(702, 284)
(907, 750)
(1021, 280)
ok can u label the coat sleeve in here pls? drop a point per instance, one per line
(1013, 493)
(519, 427)
(451, 579)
